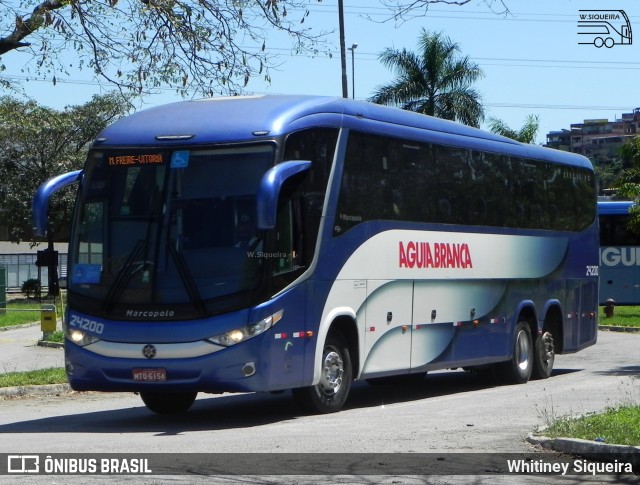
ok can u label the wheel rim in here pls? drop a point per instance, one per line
(523, 351)
(332, 373)
(548, 351)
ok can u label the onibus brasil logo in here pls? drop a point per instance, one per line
(604, 28)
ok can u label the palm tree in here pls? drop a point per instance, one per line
(434, 82)
(526, 134)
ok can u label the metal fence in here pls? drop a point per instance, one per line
(22, 267)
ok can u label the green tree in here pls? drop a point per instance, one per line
(628, 185)
(526, 134)
(30, 287)
(630, 153)
(204, 46)
(37, 143)
(436, 81)
(406, 9)
(608, 174)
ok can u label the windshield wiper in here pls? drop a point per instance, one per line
(187, 279)
(124, 276)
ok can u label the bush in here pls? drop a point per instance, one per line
(31, 286)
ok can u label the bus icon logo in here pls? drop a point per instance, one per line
(604, 28)
(23, 464)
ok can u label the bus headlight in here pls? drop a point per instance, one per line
(80, 338)
(238, 335)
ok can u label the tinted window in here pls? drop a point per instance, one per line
(392, 179)
(301, 202)
(614, 231)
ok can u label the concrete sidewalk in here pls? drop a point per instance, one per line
(19, 350)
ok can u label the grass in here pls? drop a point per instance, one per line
(33, 377)
(24, 310)
(616, 425)
(623, 316)
(57, 337)
(17, 312)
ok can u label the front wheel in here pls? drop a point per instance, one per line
(518, 369)
(336, 374)
(168, 402)
(544, 356)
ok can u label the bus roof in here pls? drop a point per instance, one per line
(614, 207)
(247, 118)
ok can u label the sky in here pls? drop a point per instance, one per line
(532, 61)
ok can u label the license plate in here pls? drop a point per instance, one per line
(150, 375)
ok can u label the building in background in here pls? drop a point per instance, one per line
(597, 139)
(20, 262)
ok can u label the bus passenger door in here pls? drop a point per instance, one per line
(388, 327)
(588, 314)
(580, 326)
(617, 281)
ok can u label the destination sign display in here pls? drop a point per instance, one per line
(136, 159)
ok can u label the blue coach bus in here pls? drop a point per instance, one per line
(293, 242)
(619, 254)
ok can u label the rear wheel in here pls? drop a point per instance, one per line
(168, 402)
(518, 369)
(336, 374)
(544, 356)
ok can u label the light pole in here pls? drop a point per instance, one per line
(343, 61)
(353, 69)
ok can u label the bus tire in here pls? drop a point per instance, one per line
(518, 369)
(336, 375)
(168, 402)
(543, 356)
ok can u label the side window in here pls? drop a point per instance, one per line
(286, 256)
(393, 179)
(614, 231)
(301, 203)
(317, 145)
(387, 179)
(367, 185)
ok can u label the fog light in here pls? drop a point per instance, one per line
(249, 369)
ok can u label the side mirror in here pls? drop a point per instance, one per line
(44, 193)
(269, 190)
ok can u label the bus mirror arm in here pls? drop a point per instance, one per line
(44, 193)
(269, 190)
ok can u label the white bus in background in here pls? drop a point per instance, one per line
(619, 254)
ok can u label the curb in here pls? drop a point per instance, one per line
(51, 345)
(591, 449)
(613, 328)
(44, 390)
(15, 327)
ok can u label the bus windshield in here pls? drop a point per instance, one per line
(160, 228)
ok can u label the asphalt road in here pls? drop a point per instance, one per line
(451, 412)
(19, 351)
